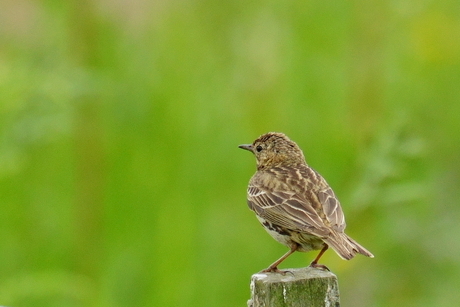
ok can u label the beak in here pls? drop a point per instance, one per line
(246, 146)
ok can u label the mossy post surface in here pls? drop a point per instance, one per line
(306, 287)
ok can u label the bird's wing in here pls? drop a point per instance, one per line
(286, 210)
(312, 211)
(331, 208)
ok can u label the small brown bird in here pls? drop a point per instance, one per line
(294, 203)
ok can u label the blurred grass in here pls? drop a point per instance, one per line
(121, 183)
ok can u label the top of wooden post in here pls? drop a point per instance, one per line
(296, 288)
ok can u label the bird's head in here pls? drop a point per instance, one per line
(274, 149)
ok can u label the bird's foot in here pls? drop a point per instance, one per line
(274, 270)
(318, 266)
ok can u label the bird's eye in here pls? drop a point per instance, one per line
(259, 148)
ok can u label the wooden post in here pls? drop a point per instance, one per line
(306, 287)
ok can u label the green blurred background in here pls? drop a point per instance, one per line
(121, 183)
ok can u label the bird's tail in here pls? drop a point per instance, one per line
(345, 246)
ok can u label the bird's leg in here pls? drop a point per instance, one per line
(274, 266)
(314, 263)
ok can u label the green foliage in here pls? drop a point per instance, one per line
(120, 178)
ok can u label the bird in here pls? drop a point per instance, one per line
(294, 203)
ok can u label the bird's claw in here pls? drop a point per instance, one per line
(275, 270)
(319, 266)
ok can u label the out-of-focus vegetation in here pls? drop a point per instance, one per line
(121, 183)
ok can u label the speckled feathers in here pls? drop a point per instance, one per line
(293, 202)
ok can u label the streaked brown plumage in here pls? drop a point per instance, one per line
(294, 203)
